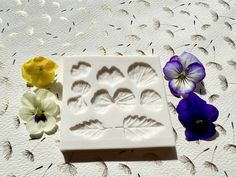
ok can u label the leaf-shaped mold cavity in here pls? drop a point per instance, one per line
(124, 98)
(142, 74)
(110, 76)
(81, 87)
(150, 99)
(82, 69)
(92, 129)
(138, 128)
(102, 101)
(77, 104)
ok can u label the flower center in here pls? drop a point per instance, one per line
(39, 116)
(199, 122)
(182, 76)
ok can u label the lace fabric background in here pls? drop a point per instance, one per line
(57, 28)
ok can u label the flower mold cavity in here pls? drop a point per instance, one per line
(123, 98)
(92, 129)
(110, 76)
(82, 69)
(137, 128)
(77, 104)
(81, 87)
(142, 74)
(151, 100)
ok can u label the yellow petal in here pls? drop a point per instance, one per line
(40, 61)
(50, 66)
(25, 75)
(31, 68)
(44, 80)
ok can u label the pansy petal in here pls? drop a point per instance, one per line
(190, 135)
(50, 107)
(49, 125)
(50, 66)
(209, 132)
(196, 105)
(184, 114)
(196, 72)
(43, 94)
(172, 69)
(181, 87)
(26, 113)
(186, 118)
(211, 113)
(187, 59)
(25, 75)
(28, 100)
(174, 58)
(43, 80)
(40, 61)
(34, 128)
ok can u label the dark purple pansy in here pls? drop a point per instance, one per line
(183, 73)
(197, 117)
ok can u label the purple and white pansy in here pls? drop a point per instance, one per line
(183, 72)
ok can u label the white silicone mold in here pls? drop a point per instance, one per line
(114, 102)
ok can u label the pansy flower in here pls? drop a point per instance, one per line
(39, 72)
(183, 73)
(39, 110)
(197, 117)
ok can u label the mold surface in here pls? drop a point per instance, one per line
(110, 76)
(123, 98)
(82, 69)
(92, 129)
(102, 101)
(137, 128)
(77, 104)
(81, 87)
(142, 74)
(151, 100)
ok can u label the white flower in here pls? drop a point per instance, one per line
(39, 110)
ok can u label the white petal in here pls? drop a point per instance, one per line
(34, 128)
(187, 59)
(43, 94)
(28, 100)
(49, 124)
(181, 87)
(50, 107)
(26, 113)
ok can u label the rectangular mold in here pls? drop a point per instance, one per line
(114, 103)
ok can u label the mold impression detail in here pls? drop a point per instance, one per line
(137, 128)
(142, 74)
(123, 98)
(82, 69)
(92, 129)
(81, 87)
(110, 76)
(151, 100)
(77, 104)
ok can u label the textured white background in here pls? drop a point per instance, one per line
(54, 28)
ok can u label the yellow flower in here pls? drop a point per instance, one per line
(39, 71)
